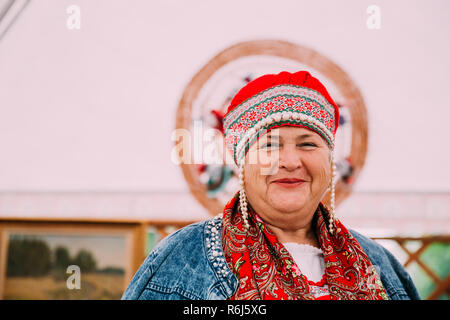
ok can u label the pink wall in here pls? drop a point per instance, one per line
(93, 109)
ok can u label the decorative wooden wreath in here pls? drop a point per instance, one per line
(208, 94)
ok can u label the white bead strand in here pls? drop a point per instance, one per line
(242, 197)
(332, 198)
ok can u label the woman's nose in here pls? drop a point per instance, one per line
(289, 158)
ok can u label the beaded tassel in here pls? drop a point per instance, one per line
(242, 197)
(332, 186)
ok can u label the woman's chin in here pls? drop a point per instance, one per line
(287, 202)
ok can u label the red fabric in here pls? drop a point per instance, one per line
(300, 78)
(219, 117)
(267, 271)
(322, 286)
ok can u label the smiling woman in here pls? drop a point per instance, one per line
(287, 197)
(275, 239)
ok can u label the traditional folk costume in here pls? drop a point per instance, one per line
(266, 268)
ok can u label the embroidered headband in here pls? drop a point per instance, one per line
(275, 100)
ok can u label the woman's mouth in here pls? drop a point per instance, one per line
(289, 182)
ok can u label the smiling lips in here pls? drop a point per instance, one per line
(289, 182)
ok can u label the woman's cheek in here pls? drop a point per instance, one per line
(320, 174)
(252, 178)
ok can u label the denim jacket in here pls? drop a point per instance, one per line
(189, 264)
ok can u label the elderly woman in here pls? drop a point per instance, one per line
(275, 238)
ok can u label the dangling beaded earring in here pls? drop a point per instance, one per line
(242, 196)
(332, 186)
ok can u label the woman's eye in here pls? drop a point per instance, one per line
(269, 145)
(308, 144)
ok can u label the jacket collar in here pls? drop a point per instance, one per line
(212, 237)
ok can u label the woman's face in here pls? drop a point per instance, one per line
(287, 172)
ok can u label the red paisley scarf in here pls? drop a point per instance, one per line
(267, 271)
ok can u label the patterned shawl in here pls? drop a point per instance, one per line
(267, 271)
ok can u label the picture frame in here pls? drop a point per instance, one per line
(107, 254)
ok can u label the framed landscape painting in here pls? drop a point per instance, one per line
(68, 260)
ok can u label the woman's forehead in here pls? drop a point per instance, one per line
(291, 132)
